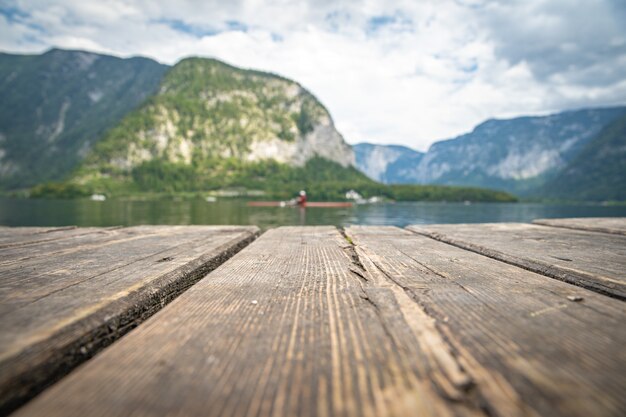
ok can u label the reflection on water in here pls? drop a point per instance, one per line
(20, 212)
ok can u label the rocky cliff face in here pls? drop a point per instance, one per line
(390, 164)
(517, 155)
(54, 106)
(598, 172)
(206, 110)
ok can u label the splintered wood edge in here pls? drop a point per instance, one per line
(112, 324)
(578, 278)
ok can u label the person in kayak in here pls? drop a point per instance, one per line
(301, 200)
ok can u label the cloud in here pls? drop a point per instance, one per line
(389, 71)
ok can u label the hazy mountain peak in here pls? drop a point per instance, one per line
(516, 154)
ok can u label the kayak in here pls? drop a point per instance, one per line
(320, 204)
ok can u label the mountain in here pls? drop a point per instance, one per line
(55, 105)
(517, 155)
(211, 125)
(598, 172)
(206, 109)
(392, 164)
(78, 123)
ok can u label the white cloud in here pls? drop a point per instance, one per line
(390, 72)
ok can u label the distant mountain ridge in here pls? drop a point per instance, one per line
(77, 123)
(56, 105)
(518, 155)
(134, 124)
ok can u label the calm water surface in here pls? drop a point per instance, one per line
(22, 212)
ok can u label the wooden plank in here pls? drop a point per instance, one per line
(303, 323)
(284, 328)
(29, 274)
(16, 236)
(30, 230)
(591, 260)
(614, 225)
(29, 253)
(63, 300)
(526, 348)
(21, 248)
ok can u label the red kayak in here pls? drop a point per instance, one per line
(326, 204)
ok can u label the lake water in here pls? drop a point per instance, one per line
(23, 212)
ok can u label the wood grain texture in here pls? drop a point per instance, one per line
(307, 322)
(614, 225)
(287, 327)
(591, 260)
(18, 236)
(63, 299)
(524, 347)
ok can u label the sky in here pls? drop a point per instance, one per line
(401, 72)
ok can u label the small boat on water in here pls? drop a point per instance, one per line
(316, 204)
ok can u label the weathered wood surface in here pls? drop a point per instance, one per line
(304, 323)
(18, 236)
(66, 294)
(614, 225)
(524, 346)
(591, 260)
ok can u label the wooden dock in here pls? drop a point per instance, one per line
(432, 320)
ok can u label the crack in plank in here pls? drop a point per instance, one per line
(448, 377)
